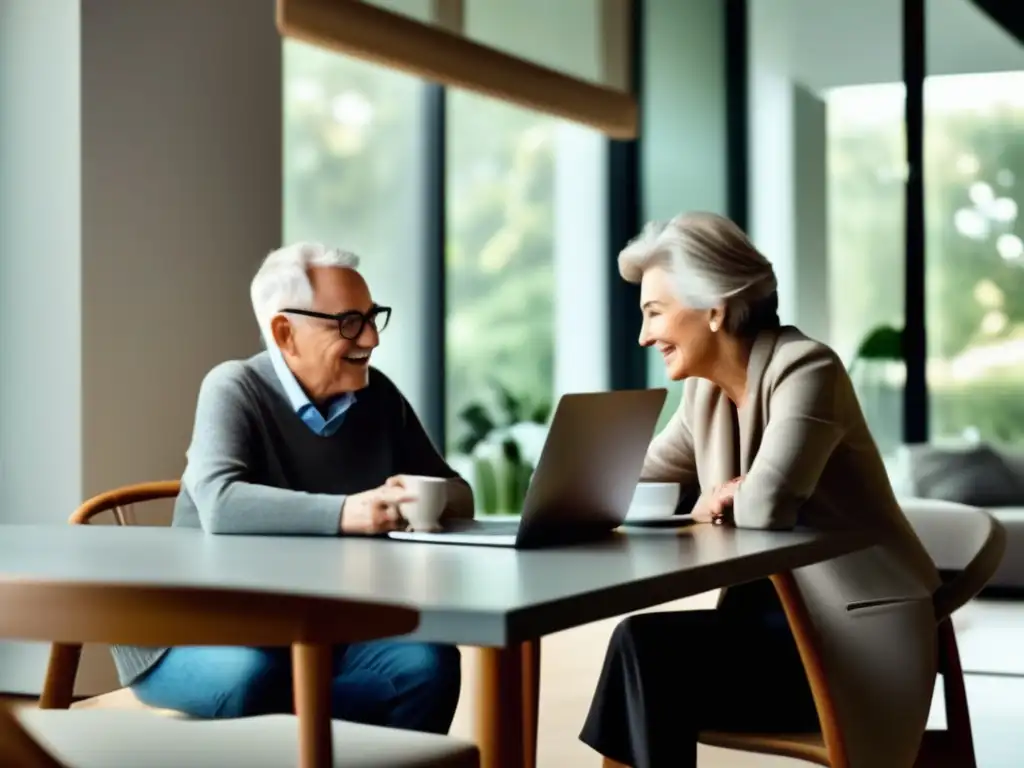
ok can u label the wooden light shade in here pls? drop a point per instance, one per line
(441, 54)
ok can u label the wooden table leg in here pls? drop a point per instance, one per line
(59, 686)
(311, 673)
(531, 701)
(499, 711)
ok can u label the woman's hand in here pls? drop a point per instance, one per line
(712, 506)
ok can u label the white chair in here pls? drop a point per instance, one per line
(968, 545)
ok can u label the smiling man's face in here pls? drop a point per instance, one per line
(325, 362)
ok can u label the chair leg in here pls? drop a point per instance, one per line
(958, 714)
(311, 671)
(499, 709)
(531, 701)
(59, 684)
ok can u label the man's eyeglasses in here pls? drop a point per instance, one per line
(351, 323)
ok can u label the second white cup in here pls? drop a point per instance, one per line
(654, 500)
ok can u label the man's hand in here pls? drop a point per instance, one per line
(375, 511)
(712, 507)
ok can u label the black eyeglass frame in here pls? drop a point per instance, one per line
(342, 318)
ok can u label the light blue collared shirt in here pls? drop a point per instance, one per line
(303, 406)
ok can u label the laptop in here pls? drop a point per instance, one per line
(584, 481)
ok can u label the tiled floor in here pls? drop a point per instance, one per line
(997, 718)
(990, 634)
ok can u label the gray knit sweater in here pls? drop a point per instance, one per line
(254, 467)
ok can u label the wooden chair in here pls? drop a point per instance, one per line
(17, 748)
(59, 684)
(121, 501)
(67, 612)
(971, 537)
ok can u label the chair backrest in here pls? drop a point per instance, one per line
(866, 632)
(967, 544)
(59, 684)
(69, 612)
(888, 641)
(121, 501)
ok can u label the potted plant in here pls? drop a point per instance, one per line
(883, 344)
(502, 445)
(877, 373)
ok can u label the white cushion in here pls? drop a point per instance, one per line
(946, 546)
(1011, 571)
(108, 738)
(952, 533)
(1011, 517)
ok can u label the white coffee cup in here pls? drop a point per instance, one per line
(424, 514)
(654, 500)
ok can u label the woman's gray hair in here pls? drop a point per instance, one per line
(713, 263)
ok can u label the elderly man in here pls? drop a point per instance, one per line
(305, 438)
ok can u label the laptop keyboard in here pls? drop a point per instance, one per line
(487, 528)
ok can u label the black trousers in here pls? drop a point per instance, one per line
(668, 676)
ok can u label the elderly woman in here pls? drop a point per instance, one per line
(769, 432)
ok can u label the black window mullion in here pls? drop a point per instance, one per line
(627, 360)
(737, 111)
(434, 212)
(915, 342)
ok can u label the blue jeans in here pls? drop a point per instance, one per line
(414, 686)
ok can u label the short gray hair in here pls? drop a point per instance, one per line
(712, 262)
(282, 281)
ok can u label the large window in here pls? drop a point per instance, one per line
(352, 164)
(500, 267)
(525, 255)
(866, 161)
(526, 268)
(974, 163)
(974, 176)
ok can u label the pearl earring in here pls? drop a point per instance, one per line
(714, 327)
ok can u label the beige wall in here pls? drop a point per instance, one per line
(126, 267)
(181, 197)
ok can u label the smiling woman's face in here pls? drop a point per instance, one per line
(681, 334)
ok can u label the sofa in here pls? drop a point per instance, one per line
(976, 474)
